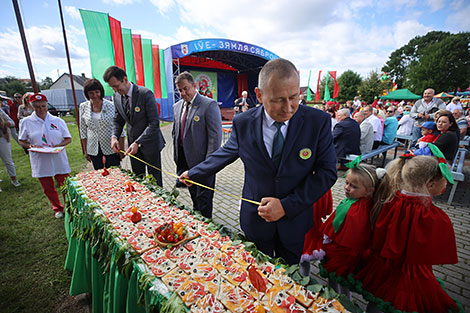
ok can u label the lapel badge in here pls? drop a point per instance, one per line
(305, 153)
(137, 109)
(196, 118)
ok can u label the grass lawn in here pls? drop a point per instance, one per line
(33, 246)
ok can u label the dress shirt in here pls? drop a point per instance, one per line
(377, 124)
(129, 94)
(269, 130)
(190, 105)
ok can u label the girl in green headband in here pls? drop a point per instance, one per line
(410, 234)
(347, 231)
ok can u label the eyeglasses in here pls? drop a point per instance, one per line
(390, 111)
(17, 97)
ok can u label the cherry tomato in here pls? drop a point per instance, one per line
(160, 238)
(170, 238)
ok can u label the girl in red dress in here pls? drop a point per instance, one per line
(410, 235)
(314, 238)
(347, 231)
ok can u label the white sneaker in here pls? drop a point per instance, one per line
(15, 183)
(59, 214)
(0, 189)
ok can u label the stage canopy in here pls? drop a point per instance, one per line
(401, 94)
(222, 68)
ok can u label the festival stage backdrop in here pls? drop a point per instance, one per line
(229, 66)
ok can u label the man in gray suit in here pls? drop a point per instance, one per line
(197, 132)
(136, 106)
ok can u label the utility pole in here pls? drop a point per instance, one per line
(25, 46)
(70, 69)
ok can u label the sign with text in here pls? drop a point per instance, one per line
(189, 47)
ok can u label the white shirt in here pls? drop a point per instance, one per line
(54, 129)
(377, 125)
(452, 106)
(269, 130)
(405, 125)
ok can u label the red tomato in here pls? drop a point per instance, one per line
(136, 217)
(160, 238)
(170, 238)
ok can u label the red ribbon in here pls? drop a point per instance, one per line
(442, 160)
(407, 156)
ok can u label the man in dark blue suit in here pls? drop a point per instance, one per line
(289, 159)
(346, 136)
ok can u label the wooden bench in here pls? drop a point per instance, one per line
(382, 149)
(457, 172)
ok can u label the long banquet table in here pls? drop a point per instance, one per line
(127, 270)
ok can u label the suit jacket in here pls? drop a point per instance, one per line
(202, 130)
(307, 170)
(143, 125)
(347, 137)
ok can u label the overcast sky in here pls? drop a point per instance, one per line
(316, 34)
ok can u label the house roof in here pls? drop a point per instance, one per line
(80, 79)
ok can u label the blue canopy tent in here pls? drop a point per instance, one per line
(234, 65)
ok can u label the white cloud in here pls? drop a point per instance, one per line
(73, 12)
(163, 5)
(459, 20)
(436, 5)
(46, 48)
(119, 2)
(406, 30)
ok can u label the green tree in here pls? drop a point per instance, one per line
(371, 87)
(444, 65)
(438, 59)
(46, 83)
(13, 85)
(349, 83)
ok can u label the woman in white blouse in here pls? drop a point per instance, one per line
(96, 125)
(42, 130)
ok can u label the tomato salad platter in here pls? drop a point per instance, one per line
(208, 271)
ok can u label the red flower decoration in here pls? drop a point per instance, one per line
(442, 160)
(407, 156)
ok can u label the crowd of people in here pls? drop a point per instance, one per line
(380, 123)
(379, 241)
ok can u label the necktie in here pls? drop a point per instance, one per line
(125, 103)
(278, 143)
(183, 120)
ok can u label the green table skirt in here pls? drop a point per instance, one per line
(111, 291)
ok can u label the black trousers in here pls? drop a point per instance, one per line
(201, 197)
(111, 160)
(151, 158)
(275, 248)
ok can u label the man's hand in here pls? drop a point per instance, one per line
(183, 178)
(271, 209)
(87, 157)
(133, 148)
(115, 145)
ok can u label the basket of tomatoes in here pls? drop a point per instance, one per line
(170, 234)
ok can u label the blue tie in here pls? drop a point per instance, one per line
(278, 143)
